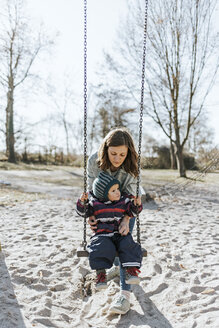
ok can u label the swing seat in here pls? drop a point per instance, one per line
(81, 252)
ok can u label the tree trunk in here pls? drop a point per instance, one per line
(173, 164)
(180, 161)
(6, 131)
(10, 127)
(66, 135)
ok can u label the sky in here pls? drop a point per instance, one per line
(66, 18)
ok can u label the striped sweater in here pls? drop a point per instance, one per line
(108, 214)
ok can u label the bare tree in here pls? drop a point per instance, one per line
(111, 112)
(182, 62)
(19, 49)
(63, 99)
(201, 136)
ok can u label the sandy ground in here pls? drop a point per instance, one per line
(44, 284)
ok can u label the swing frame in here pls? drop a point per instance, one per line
(82, 250)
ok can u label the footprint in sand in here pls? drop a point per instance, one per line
(64, 268)
(176, 267)
(48, 226)
(178, 258)
(21, 270)
(197, 281)
(44, 313)
(197, 289)
(18, 279)
(182, 279)
(58, 288)
(157, 268)
(36, 225)
(194, 255)
(212, 309)
(32, 265)
(45, 322)
(48, 304)
(42, 238)
(26, 237)
(44, 273)
(52, 255)
(38, 287)
(185, 300)
(168, 274)
(61, 261)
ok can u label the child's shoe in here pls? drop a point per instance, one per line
(131, 276)
(101, 279)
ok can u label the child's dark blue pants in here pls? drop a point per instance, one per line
(102, 251)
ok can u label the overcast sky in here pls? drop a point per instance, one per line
(66, 17)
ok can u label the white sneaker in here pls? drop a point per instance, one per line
(113, 272)
(121, 305)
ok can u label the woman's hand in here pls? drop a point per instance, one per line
(93, 223)
(124, 226)
(137, 201)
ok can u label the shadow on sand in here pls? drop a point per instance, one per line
(10, 314)
(151, 316)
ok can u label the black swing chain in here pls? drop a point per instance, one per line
(85, 117)
(141, 114)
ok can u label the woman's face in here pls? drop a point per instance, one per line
(117, 155)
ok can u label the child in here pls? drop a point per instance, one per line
(109, 207)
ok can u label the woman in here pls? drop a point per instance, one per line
(118, 157)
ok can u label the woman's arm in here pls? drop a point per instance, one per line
(92, 170)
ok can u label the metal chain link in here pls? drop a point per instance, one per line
(141, 114)
(85, 117)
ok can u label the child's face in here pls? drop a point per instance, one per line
(114, 193)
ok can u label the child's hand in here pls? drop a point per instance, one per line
(84, 197)
(137, 200)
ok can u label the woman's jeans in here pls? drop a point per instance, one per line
(123, 285)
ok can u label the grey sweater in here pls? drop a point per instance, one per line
(127, 181)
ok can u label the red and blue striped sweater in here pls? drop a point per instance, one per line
(108, 214)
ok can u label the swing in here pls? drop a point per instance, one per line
(82, 250)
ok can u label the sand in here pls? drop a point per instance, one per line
(44, 284)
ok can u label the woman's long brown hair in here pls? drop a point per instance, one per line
(118, 137)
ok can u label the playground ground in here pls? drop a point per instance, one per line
(44, 284)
